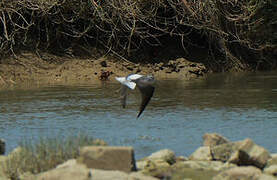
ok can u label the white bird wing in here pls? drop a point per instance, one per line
(132, 77)
(126, 82)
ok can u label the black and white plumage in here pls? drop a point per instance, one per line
(145, 85)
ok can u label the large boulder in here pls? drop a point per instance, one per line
(160, 159)
(200, 170)
(108, 158)
(163, 155)
(250, 153)
(158, 168)
(224, 151)
(207, 165)
(213, 139)
(97, 174)
(242, 173)
(244, 152)
(202, 153)
(74, 172)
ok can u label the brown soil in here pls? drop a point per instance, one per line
(30, 69)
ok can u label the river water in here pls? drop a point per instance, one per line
(237, 106)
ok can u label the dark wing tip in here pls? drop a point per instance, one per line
(140, 112)
(146, 95)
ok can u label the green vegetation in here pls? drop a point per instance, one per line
(235, 34)
(45, 155)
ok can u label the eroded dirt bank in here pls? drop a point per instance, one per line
(28, 68)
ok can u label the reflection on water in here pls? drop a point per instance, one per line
(234, 105)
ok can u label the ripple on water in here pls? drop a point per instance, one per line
(236, 106)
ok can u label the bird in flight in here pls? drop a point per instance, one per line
(145, 85)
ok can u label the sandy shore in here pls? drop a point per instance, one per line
(28, 68)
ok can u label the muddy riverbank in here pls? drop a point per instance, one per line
(30, 69)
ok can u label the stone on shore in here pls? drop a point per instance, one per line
(266, 177)
(72, 171)
(272, 160)
(250, 153)
(202, 153)
(158, 164)
(200, 170)
(243, 173)
(108, 158)
(205, 165)
(272, 170)
(218, 160)
(70, 162)
(213, 139)
(97, 174)
(244, 152)
(162, 158)
(223, 152)
(164, 155)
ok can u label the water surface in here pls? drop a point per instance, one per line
(238, 106)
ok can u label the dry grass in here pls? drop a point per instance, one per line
(235, 30)
(45, 155)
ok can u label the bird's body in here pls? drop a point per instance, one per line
(145, 85)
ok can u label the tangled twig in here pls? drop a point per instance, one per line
(125, 25)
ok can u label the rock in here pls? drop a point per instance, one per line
(158, 164)
(200, 170)
(207, 165)
(244, 152)
(202, 153)
(250, 153)
(181, 158)
(223, 152)
(2, 146)
(74, 172)
(266, 177)
(71, 170)
(97, 174)
(272, 160)
(15, 152)
(272, 170)
(70, 162)
(141, 164)
(213, 139)
(149, 164)
(164, 155)
(140, 176)
(157, 168)
(108, 158)
(242, 173)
